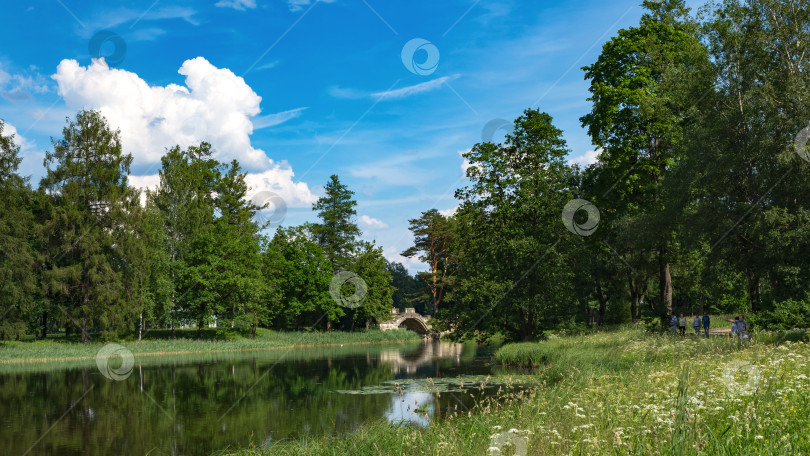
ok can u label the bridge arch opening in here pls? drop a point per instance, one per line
(414, 325)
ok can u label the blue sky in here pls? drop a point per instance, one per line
(299, 90)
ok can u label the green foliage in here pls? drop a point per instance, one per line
(337, 232)
(434, 236)
(785, 315)
(300, 271)
(17, 258)
(370, 265)
(90, 254)
(700, 184)
(514, 276)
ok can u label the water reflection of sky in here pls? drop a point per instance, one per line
(411, 408)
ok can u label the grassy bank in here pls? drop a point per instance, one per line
(160, 344)
(619, 392)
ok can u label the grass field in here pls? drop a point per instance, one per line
(618, 392)
(159, 343)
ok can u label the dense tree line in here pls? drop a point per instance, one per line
(698, 202)
(701, 189)
(82, 254)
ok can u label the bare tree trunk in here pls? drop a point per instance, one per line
(665, 281)
(140, 327)
(600, 318)
(85, 329)
(637, 295)
(753, 290)
(526, 325)
(85, 303)
(44, 325)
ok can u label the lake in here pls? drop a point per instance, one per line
(195, 405)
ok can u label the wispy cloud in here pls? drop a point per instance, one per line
(278, 118)
(347, 93)
(239, 5)
(399, 170)
(415, 89)
(119, 16)
(267, 66)
(15, 87)
(298, 5)
(146, 34)
(355, 94)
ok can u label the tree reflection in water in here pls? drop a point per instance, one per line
(196, 405)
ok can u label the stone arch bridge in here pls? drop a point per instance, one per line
(408, 320)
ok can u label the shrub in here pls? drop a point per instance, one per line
(785, 315)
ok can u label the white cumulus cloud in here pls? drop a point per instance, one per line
(10, 132)
(465, 164)
(449, 212)
(31, 159)
(370, 222)
(588, 158)
(214, 105)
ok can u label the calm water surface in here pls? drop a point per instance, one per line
(196, 405)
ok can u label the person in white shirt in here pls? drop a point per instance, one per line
(733, 325)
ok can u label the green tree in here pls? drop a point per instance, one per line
(370, 265)
(406, 288)
(297, 265)
(746, 181)
(514, 275)
(158, 288)
(644, 87)
(88, 225)
(433, 240)
(17, 258)
(185, 200)
(337, 233)
(239, 274)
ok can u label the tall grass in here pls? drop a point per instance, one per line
(618, 392)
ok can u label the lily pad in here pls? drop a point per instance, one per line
(458, 384)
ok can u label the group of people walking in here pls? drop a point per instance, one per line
(739, 327)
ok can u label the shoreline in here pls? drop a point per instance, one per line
(196, 352)
(25, 353)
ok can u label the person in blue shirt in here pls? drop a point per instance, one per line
(706, 324)
(696, 325)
